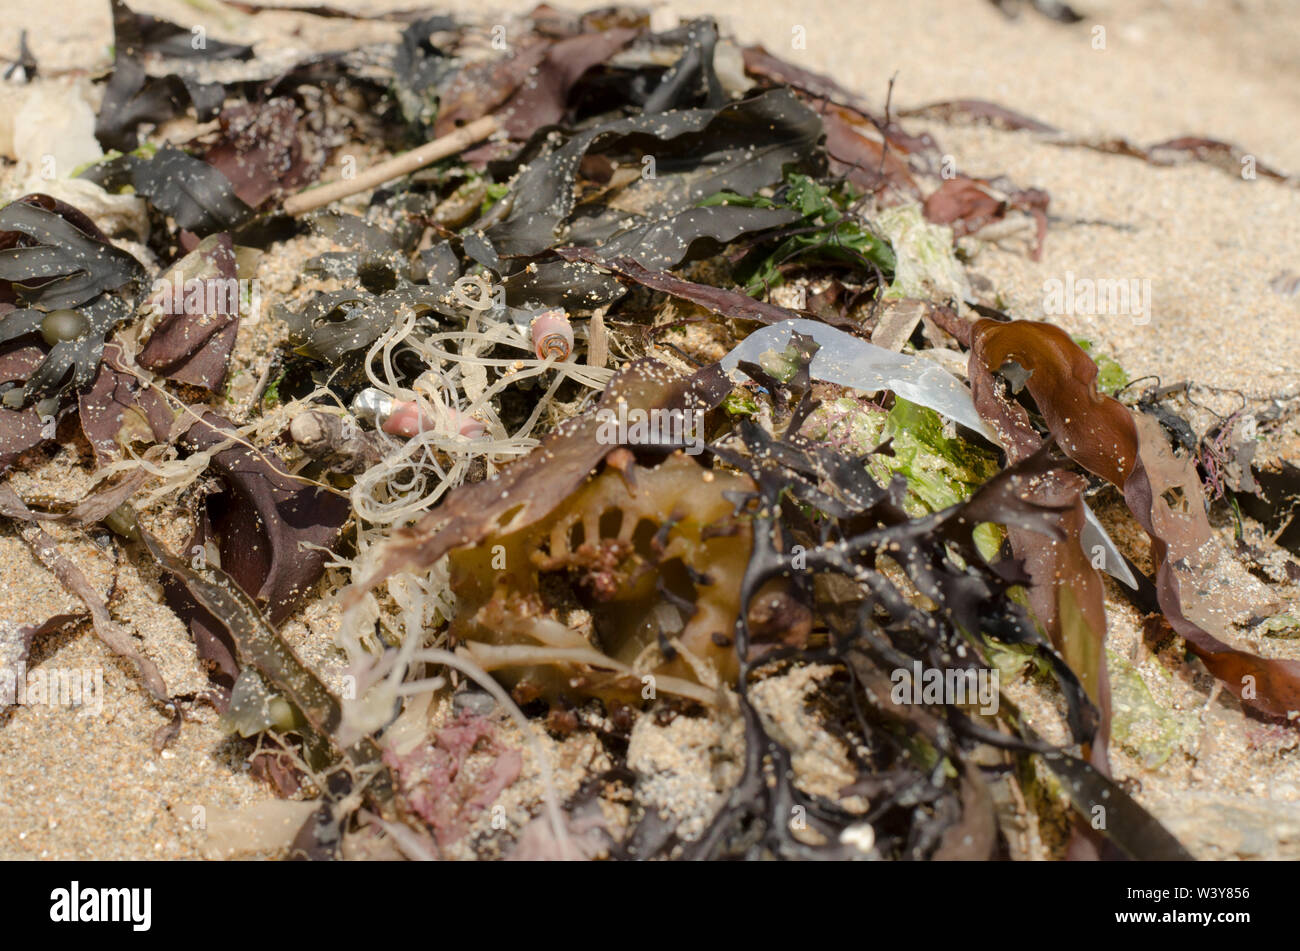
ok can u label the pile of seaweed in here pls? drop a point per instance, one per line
(877, 470)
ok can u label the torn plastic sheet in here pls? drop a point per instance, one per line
(849, 361)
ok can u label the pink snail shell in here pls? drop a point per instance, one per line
(552, 335)
(467, 425)
(407, 420)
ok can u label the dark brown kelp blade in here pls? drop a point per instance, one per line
(262, 150)
(1135, 831)
(119, 408)
(1065, 593)
(697, 232)
(52, 255)
(20, 429)
(482, 87)
(719, 300)
(1103, 436)
(196, 194)
(192, 343)
(543, 99)
(272, 531)
(271, 527)
(739, 147)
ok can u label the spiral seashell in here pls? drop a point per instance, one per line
(467, 426)
(372, 405)
(552, 335)
(407, 420)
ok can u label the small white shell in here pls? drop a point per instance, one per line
(862, 836)
(372, 405)
(552, 335)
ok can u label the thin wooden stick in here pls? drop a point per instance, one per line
(312, 198)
